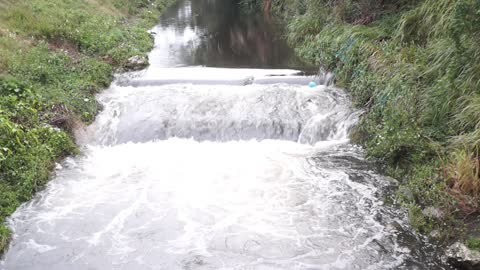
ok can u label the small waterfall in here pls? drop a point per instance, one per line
(223, 113)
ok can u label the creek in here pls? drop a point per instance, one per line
(218, 156)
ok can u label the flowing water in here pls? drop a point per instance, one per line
(196, 163)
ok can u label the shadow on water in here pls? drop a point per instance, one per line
(219, 34)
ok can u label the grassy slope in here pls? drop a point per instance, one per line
(55, 55)
(414, 66)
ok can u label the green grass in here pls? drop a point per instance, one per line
(414, 67)
(55, 56)
(473, 243)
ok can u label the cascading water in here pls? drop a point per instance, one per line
(201, 168)
(222, 113)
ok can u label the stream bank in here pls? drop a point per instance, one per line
(413, 67)
(56, 55)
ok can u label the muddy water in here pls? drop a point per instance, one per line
(200, 163)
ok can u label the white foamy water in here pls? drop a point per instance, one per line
(222, 113)
(183, 204)
(216, 177)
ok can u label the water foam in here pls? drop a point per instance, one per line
(223, 113)
(182, 204)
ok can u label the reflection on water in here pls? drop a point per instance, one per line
(217, 34)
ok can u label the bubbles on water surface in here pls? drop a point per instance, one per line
(217, 177)
(223, 113)
(184, 204)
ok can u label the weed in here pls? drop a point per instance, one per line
(473, 243)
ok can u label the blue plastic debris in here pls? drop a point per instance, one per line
(312, 84)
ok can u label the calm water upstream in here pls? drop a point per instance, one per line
(215, 158)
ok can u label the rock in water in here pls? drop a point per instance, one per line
(461, 257)
(136, 62)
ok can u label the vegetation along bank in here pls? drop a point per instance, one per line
(414, 67)
(55, 55)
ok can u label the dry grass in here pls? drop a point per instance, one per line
(463, 174)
